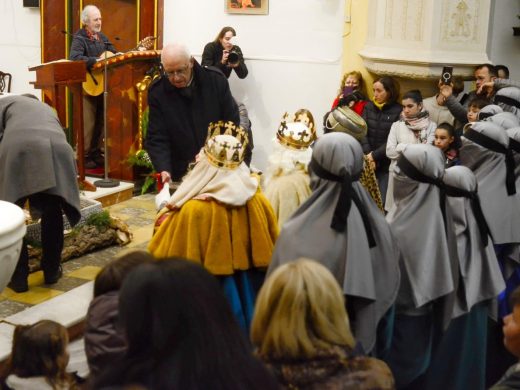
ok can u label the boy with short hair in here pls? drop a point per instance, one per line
(474, 107)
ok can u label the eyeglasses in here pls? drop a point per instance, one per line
(180, 72)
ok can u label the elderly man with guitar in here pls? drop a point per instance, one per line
(90, 44)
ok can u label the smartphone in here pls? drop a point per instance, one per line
(447, 75)
(347, 91)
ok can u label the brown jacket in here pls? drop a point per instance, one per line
(334, 369)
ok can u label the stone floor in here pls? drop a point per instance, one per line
(138, 213)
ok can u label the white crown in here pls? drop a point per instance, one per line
(226, 145)
(296, 132)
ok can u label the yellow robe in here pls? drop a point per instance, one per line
(221, 238)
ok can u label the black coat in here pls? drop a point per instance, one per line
(178, 125)
(379, 123)
(212, 56)
(89, 50)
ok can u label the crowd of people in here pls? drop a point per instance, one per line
(382, 254)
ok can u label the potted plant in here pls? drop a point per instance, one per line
(516, 30)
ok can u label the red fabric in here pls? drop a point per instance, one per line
(92, 36)
(358, 106)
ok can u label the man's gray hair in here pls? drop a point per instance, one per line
(175, 50)
(86, 11)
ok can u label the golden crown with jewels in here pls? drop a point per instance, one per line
(296, 131)
(225, 145)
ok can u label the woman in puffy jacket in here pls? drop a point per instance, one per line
(379, 114)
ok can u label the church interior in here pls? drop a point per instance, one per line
(293, 57)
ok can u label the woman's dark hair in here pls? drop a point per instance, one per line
(223, 32)
(456, 143)
(391, 87)
(479, 102)
(458, 85)
(40, 350)
(503, 68)
(414, 94)
(112, 275)
(181, 333)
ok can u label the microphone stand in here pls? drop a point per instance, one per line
(106, 182)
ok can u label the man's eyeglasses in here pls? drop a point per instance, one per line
(180, 72)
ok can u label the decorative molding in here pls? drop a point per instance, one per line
(389, 9)
(410, 45)
(414, 70)
(461, 20)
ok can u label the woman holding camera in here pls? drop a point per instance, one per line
(222, 54)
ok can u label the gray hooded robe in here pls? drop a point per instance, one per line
(501, 209)
(34, 154)
(481, 278)
(429, 269)
(368, 275)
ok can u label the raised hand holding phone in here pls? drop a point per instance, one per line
(447, 75)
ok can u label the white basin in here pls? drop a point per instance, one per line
(12, 231)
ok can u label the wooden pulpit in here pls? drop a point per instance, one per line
(124, 102)
(53, 77)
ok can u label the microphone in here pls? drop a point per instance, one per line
(72, 35)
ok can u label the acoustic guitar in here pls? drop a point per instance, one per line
(94, 83)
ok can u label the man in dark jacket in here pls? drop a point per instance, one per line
(182, 104)
(484, 73)
(38, 164)
(88, 44)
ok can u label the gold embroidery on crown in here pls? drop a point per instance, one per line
(300, 140)
(225, 153)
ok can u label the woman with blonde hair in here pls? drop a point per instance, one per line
(351, 92)
(312, 347)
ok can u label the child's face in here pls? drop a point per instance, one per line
(443, 139)
(473, 113)
(511, 330)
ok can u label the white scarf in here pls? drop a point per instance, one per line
(419, 124)
(233, 187)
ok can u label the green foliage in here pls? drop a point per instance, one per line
(142, 159)
(100, 220)
(150, 183)
(144, 123)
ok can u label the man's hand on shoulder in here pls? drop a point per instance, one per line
(486, 89)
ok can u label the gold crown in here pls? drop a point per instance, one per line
(225, 145)
(296, 132)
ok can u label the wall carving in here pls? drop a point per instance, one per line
(408, 16)
(416, 38)
(460, 20)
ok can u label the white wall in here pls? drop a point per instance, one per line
(19, 43)
(293, 55)
(503, 47)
